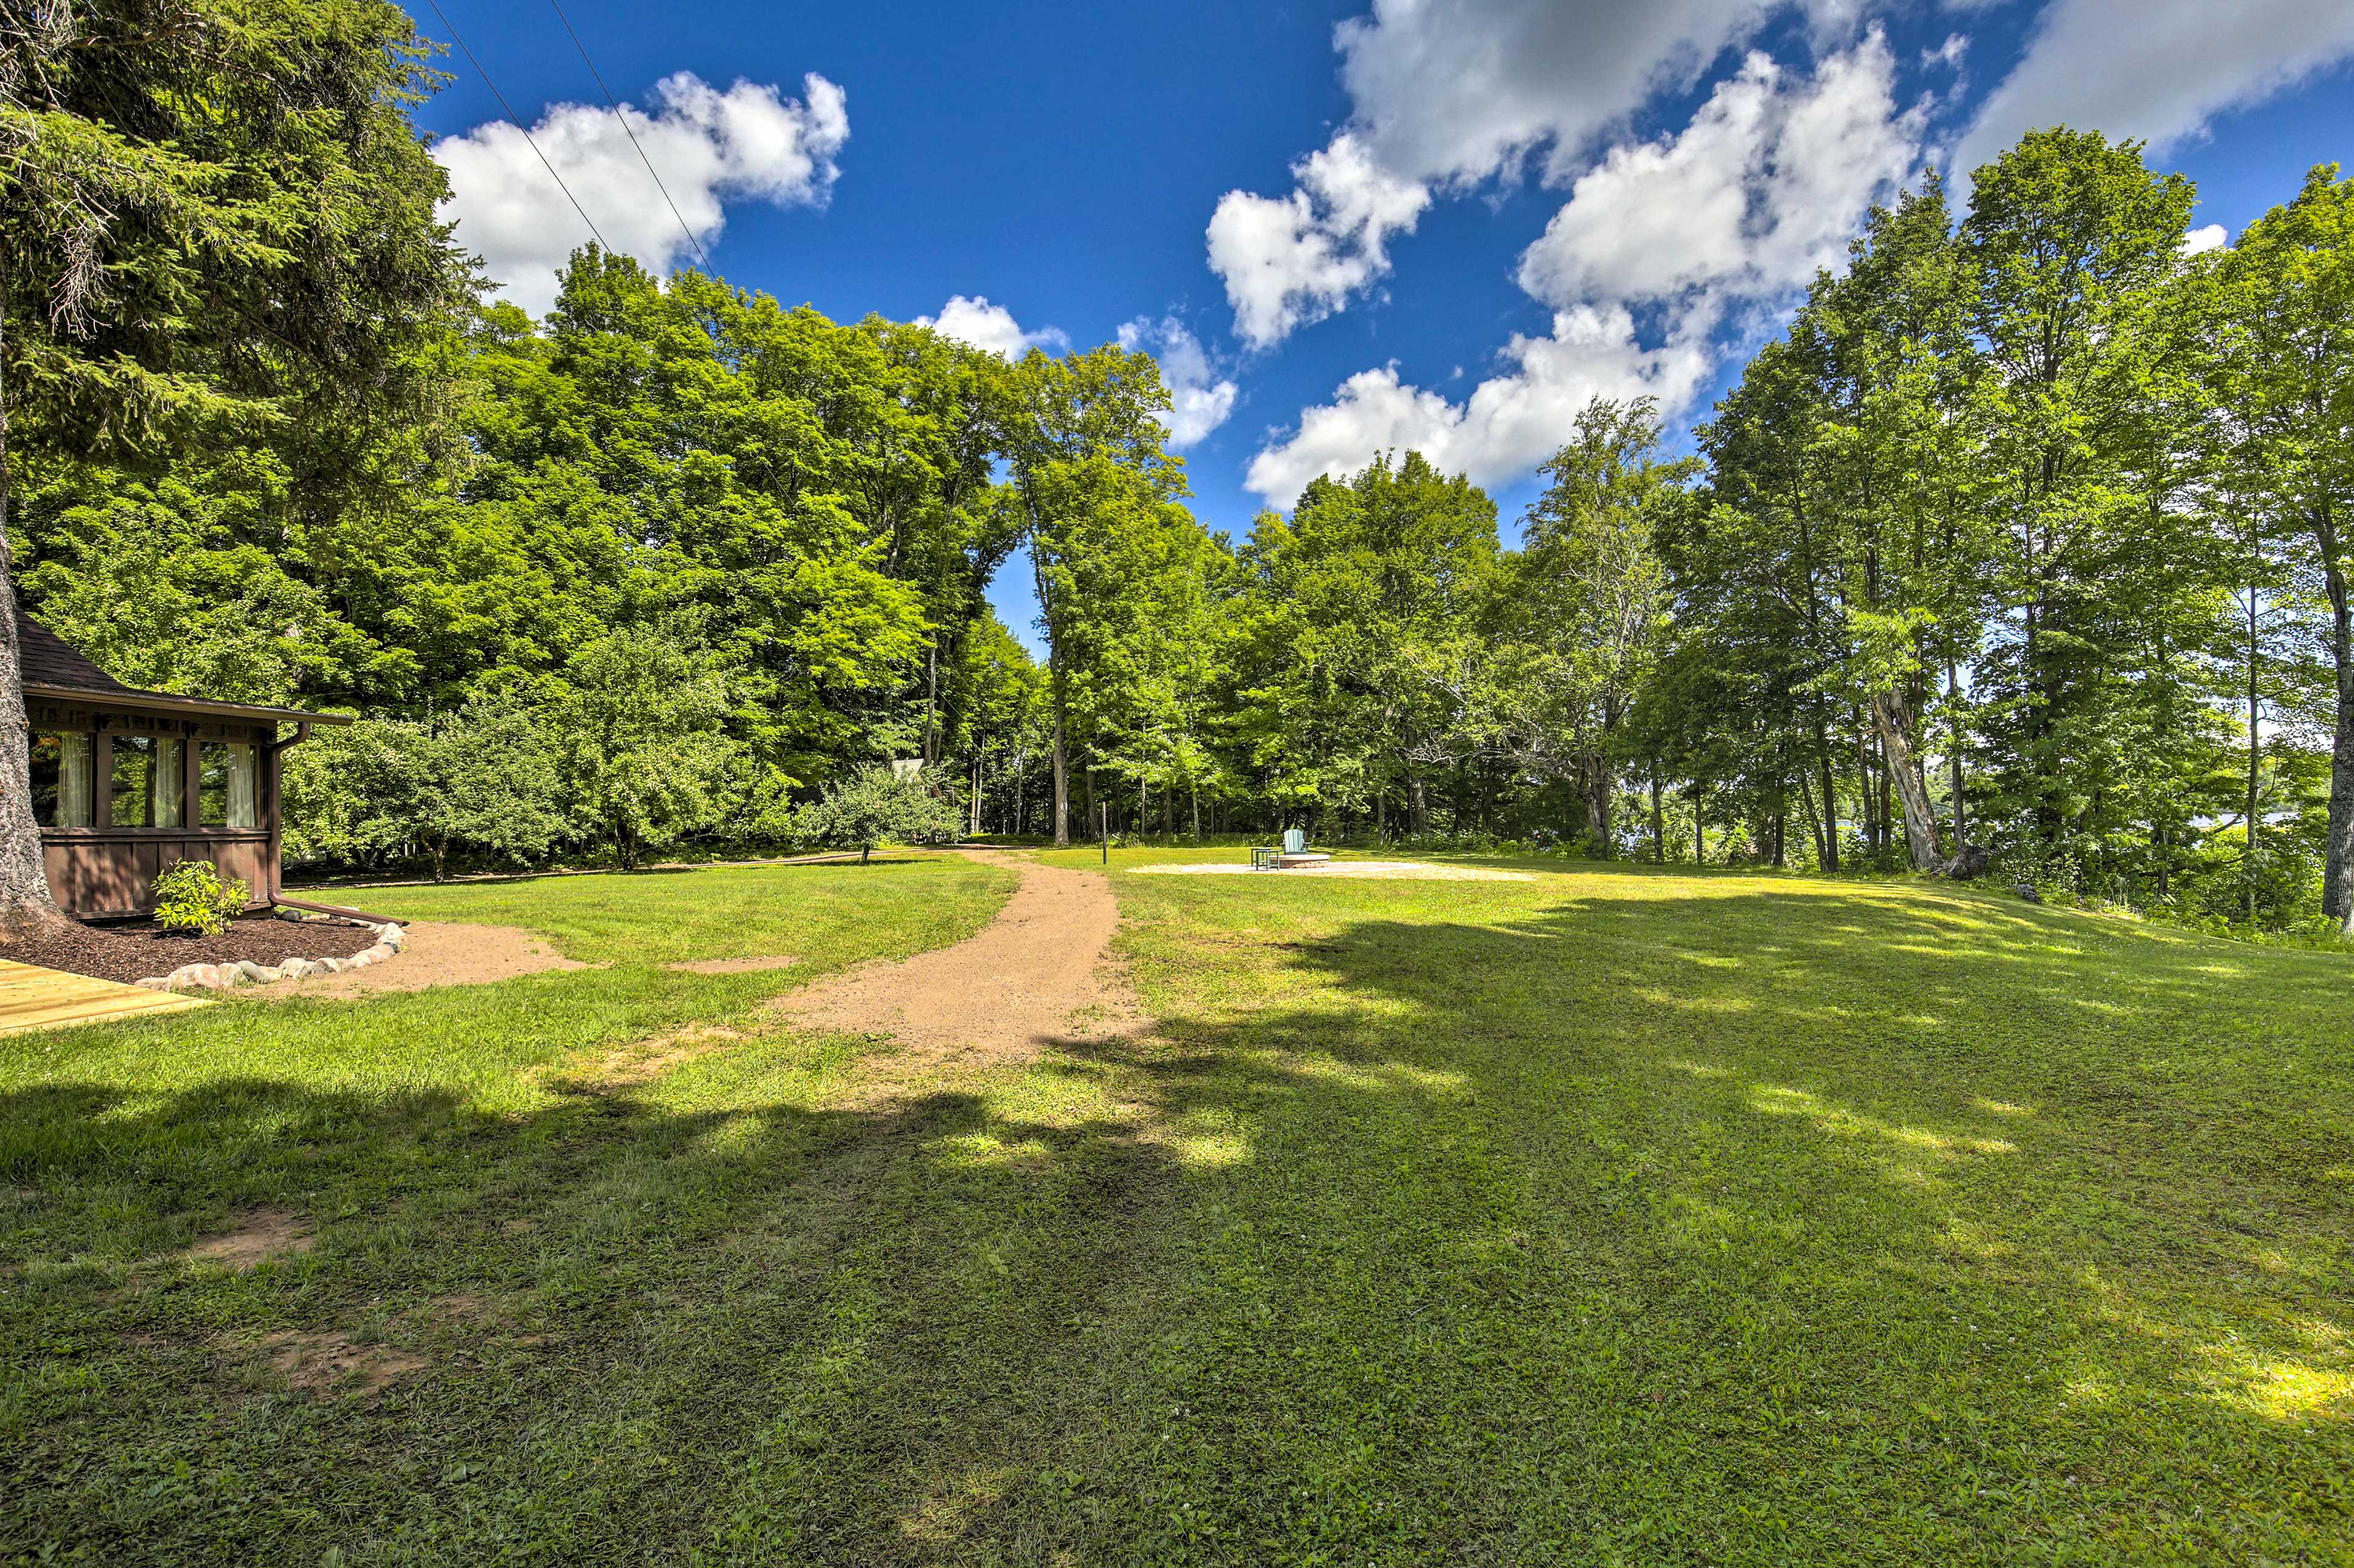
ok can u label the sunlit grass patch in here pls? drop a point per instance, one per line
(1622, 1215)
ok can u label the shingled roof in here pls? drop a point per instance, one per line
(55, 668)
(54, 664)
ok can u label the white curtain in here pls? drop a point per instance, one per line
(244, 786)
(170, 787)
(74, 780)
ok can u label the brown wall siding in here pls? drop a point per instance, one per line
(100, 872)
(93, 876)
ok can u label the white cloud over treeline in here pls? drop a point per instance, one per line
(1200, 398)
(971, 319)
(749, 143)
(1659, 242)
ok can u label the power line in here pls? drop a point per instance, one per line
(632, 136)
(519, 125)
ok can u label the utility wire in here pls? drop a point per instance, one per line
(519, 125)
(632, 136)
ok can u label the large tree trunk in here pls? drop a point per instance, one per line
(1866, 800)
(1057, 678)
(1829, 859)
(1814, 822)
(1893, 720)
(24, 898)
(2338, 863)
(1062, 777)
(1602, 782)
(2256, 758)
(1954, 759)
(932, 703)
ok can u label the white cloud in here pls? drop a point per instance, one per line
(1452, 92)
(747, 142)
(1291, 261)
(1200, 398)
(990, 328)
(1445, 94)
(1761, 187)
(2159, 73)
(1508, 424)
(2214, 237)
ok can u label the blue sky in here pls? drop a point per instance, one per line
(1442, 223)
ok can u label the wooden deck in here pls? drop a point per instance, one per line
(35, 998)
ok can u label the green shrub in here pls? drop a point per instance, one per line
(194, 898)
(875, 806)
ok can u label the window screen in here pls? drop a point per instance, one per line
(168, 801)
(131, 779)
(144, 781)
(228, 792)
(61, 778)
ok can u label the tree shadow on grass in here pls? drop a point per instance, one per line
(643, 1330)
(1889, 1212)
(1728, 1228)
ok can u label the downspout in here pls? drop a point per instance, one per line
(271, 748)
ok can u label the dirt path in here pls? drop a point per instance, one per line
(438, 953)
(1034, 974)
(1371, 870)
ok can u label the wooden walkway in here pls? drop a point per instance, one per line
(35, 998)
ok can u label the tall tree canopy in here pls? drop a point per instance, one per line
(2026, 539)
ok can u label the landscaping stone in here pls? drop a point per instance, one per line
(248, 971)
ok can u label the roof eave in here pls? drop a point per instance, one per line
(136, 699)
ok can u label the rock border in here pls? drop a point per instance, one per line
(389, 939)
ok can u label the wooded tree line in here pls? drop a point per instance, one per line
(2026, 532)
(2018, 550)
(2023, 536)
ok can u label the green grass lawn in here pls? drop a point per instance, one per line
(1616, 1215)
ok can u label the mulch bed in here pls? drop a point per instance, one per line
(137, 949)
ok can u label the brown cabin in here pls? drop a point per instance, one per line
(126, 782)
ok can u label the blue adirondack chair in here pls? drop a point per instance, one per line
(1294, 849)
